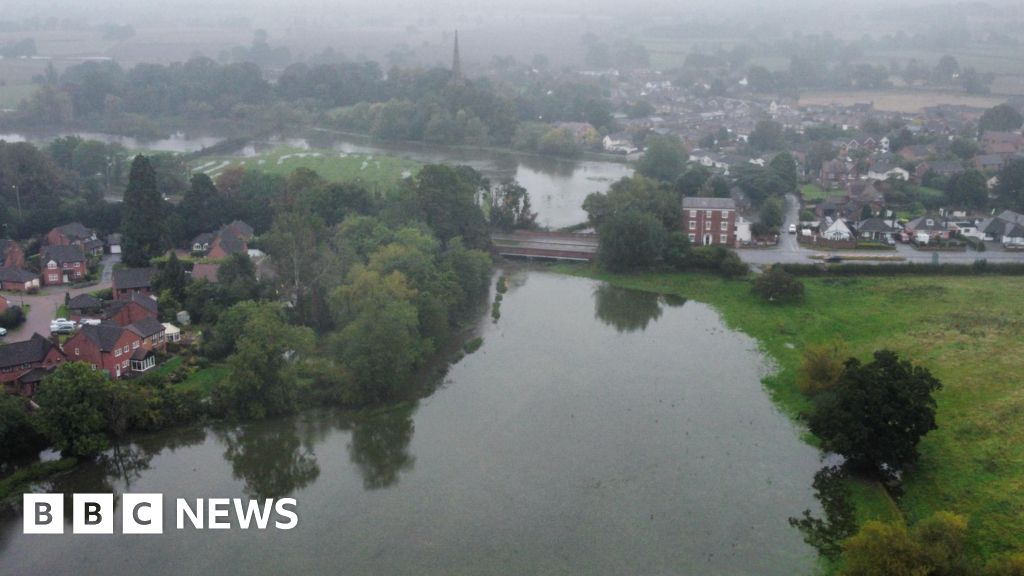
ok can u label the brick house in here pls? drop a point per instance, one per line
(4, 304)
(62, 264)
(125, 312)
(23, 364)
(106, 347)
(12, 255)
(129, 282)
(18, 280)
(710, 221)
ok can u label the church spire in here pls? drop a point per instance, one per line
(456, 61)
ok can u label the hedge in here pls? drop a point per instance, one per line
(979, 267)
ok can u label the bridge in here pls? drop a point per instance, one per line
(547, 245)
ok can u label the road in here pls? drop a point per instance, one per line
(43, 306)
(789, 251)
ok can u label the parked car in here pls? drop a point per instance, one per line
(3, 332)
(62, 326)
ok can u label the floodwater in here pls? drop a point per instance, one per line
(557, 186)
(596, 431)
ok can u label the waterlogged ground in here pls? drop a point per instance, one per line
(597, 431)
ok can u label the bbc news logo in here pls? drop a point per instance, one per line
(144, 514)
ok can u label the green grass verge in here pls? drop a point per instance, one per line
(375, 171)
(204, 379)
(969, 331)
(813, 192)
(19, 482)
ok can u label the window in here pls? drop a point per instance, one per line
(723, 238)
(707, 225)
(51, 265)
(135, 345)
(693, 224)
(117, 353)
(124, 364)
(693, 237)
(693, 213)
(725, 226)
(52, 277)
(77, 352)
(707, 214)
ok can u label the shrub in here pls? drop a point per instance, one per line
(473, 345)
(821, 367)
(778, 287)
(12, 317)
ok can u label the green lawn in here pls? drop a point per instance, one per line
(202, 380)
(379, 172)
(968, 331)
(814, 193)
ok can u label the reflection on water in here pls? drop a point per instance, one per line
(380, 445)
(559, 447)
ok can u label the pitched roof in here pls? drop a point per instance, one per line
(104, 336)
(875, 225)
(146, 327)
(701, 203)
(231, 242)
(32, 350)
(84, 302)
(62, 254)
(129, 278)
(242, 229)
(74, 231)
(16, 275)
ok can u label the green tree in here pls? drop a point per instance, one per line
(968, 189)
(18, 434)
(1011, 184)
(767, 135)
(876, 413)
(664, 159)
(772, 213)
(143, 215)
(631, 240)
(1001, 118)
(73, 403)
(784, 165)
(510, 207)
(934, 546)
(172, 277)
(266, 349)
(821, 366)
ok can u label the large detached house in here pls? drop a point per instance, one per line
(231, 239)
(1007, 227)
(118, 350)
(75, 234)
(130, 311)
(24, 364)
(18, 280)
(62, 264)
(130, 282)
(710, 221)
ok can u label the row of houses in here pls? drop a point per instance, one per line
(1007, 228)
(63, 258)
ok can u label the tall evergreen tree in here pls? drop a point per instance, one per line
(142, 224)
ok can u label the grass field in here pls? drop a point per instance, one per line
(898, 100)
(375, 171)
(968, 331)
(202, 380)
(814, 193)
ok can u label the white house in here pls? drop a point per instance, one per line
(838, 230)
(882, 171)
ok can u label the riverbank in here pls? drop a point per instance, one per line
(967, 331)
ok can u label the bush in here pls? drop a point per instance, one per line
(778, 287)
(821, 367)
(473, 345)
(104, 294)
(631, 240)
(12, 317)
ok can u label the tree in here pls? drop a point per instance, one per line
(143, 215)
(631, 240)
(73, 403)
(172, 277)
(1001, 118)
(778, 287)
(772, 213)
(1011, 183)
(934, 546)
(876, 413)
(968, 189)
(18, 434)
(767, 135)
(636, 193)
(203, 208)
(510, 207)
(664, 159)
(785, 166)
(265, 348)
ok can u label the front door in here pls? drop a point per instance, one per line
(707, 239)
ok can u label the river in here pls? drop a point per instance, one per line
(557, 186)
(596, 431)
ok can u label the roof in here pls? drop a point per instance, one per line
(146, 327)
(231, 242)
(84, 302)
(171, 328)
(104, 336)
(141, 354)
(129, 278)
(701, 203)
(242, 229)
(16, 275)
(875, 225)
(921, 223)
(74, 231)
(29, 351)
(62, 254)
(113, 239)
(34, 375)
(204, 238)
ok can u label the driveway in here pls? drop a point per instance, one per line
(43, 306)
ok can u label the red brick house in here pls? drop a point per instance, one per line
(125, 312)
(18, 280)
(106, 347)
(12, 255)
(710, 221)
(62, 264)
(24, 364)
(4, 304)
(231, 239)
(131, 282)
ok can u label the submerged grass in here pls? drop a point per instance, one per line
(969, 331)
